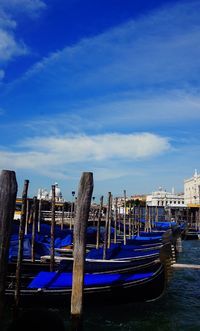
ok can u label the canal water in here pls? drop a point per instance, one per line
(177, 310)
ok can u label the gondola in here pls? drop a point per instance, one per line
(54, 288)
(120, 280)
(139, 251)
(117, 256)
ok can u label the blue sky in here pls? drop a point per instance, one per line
(110, 87)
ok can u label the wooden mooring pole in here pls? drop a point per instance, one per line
(52, 248)
(99, 222)
(105, 243)
(115, 220)
(35, 211)
(80, 226)
(8, 192)
(124, 217)
(21, 245)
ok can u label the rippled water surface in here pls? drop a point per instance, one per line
(178, 309)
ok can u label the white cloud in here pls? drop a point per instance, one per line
(133, 72)
(42, 155)
(101, 147)
(124, 112)
(10, 45)
(154, 49)
(30, 7)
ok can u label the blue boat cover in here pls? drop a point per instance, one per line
(98, 253)
(117, 251)
(55, 280)
(158, 238)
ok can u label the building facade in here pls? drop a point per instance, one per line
(192, 190)
(43, 194)
(162, 198)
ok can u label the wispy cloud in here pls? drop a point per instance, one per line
(57, 152)
(148, 67)
(152, 49)
(124, 112)
(10, 45)
(29, 7)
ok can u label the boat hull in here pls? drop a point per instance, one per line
(125, 291)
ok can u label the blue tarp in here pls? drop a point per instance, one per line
(42, 245)
(144, 238)
(98, 253)
(13, 249)
(53, 280)
(117, 251)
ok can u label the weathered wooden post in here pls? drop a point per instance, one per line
(115, 221)
(52, 248)
(21, 244)
(39, 214)
(129, 221)
(72, 209)
(27, 216)
(8, 192)
(109, 221)
(157, 214)
(146, 219)
(80, 226)
(119, 220)
(105, 244)
(62, 217)
(124, 217)
(33, 229)
(139, 218)
(99, 222)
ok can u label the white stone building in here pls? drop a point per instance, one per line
(45, 195)
(162, 198)
(192, 190)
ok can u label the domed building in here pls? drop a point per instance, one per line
(44, 195)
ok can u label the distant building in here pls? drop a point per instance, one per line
(162, 198)
(192, 190)
(43, 194)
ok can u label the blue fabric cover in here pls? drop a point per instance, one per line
(42, 242)
(117, 251)
(13, 249)
(98, 253)
(147, 238)
(164, 225)
(53, 280)
(151, 233)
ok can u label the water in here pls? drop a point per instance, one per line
(178, 309)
